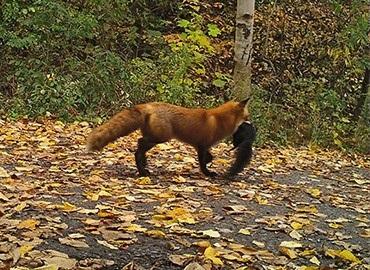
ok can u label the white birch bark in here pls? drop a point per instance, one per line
(243, 49)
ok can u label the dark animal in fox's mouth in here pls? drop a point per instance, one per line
(243, 140)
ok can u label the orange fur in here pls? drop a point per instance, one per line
(160, 122)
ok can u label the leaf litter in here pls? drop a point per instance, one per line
(64, 208)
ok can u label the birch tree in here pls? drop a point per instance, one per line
(243, 49)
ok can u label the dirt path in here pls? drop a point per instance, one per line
(62, 207)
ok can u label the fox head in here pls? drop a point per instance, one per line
(240, 111)
(243, 105)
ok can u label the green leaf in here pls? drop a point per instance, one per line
(219, 83)
(213, 30)
(183, 23)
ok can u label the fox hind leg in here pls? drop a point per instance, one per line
(208, 157)
(144, 145)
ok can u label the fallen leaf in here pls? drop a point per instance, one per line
(258, 244)
(315, 260)
(290, 244)
(211, 233)
(348, 255)
(20, 206)
(365, 233)
(245, 231)
(155, 233)
(28, 224)
(290, 253)
(103, 193)
(179, 259)
(296, 225)
(295, 235)
(3, 197)
(73, 242)
(50, 267)
(3, 173)
(314, 192)
(144, 181)
(106, 244)
(62, 262)
(212, 254)
(194, 266)
(67, 207)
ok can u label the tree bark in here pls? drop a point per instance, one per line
(365, 91)
(243, 49)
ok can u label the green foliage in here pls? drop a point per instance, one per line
(80, 59)
(310, 73)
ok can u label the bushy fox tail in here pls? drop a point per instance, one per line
(121, 124)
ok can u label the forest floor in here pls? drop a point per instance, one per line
(64, 208)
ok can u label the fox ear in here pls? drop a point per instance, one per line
(245, 102)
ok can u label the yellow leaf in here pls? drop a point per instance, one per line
(23, 169)
(211, 233)
(28, 224)
(55, 185)
(264, 169)
(47, 267)
(144, 181)
(332, 252)
(156, 233)
(105, 214)
(307, 252)
(335, 225)
(3, 173)
(103, 193)
(67, 207)
(92, 222)
(296, 225)
(315, 260)
(290, 244)
(245, 231)
(136, 228)
(20, 206)
(92, 196)
(260, 199)
(222, 161)
(348, 255)
(258, 244)
(212, 254)
(314, 192)
(25, 249)
(182, 215)
(295, 235)
(308, 209)
(202, 244)
(308, 268)
(290, 253)
(166, 195)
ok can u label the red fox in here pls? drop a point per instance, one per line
(161, 122)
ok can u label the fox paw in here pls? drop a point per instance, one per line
(210, 174)
(144, 172)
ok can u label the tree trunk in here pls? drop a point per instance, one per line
(243, 49)
(365, 91)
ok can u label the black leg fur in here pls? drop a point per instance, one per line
(204, 157)
(144, 145)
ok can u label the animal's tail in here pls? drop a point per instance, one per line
(121, 124)
(243, 157)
